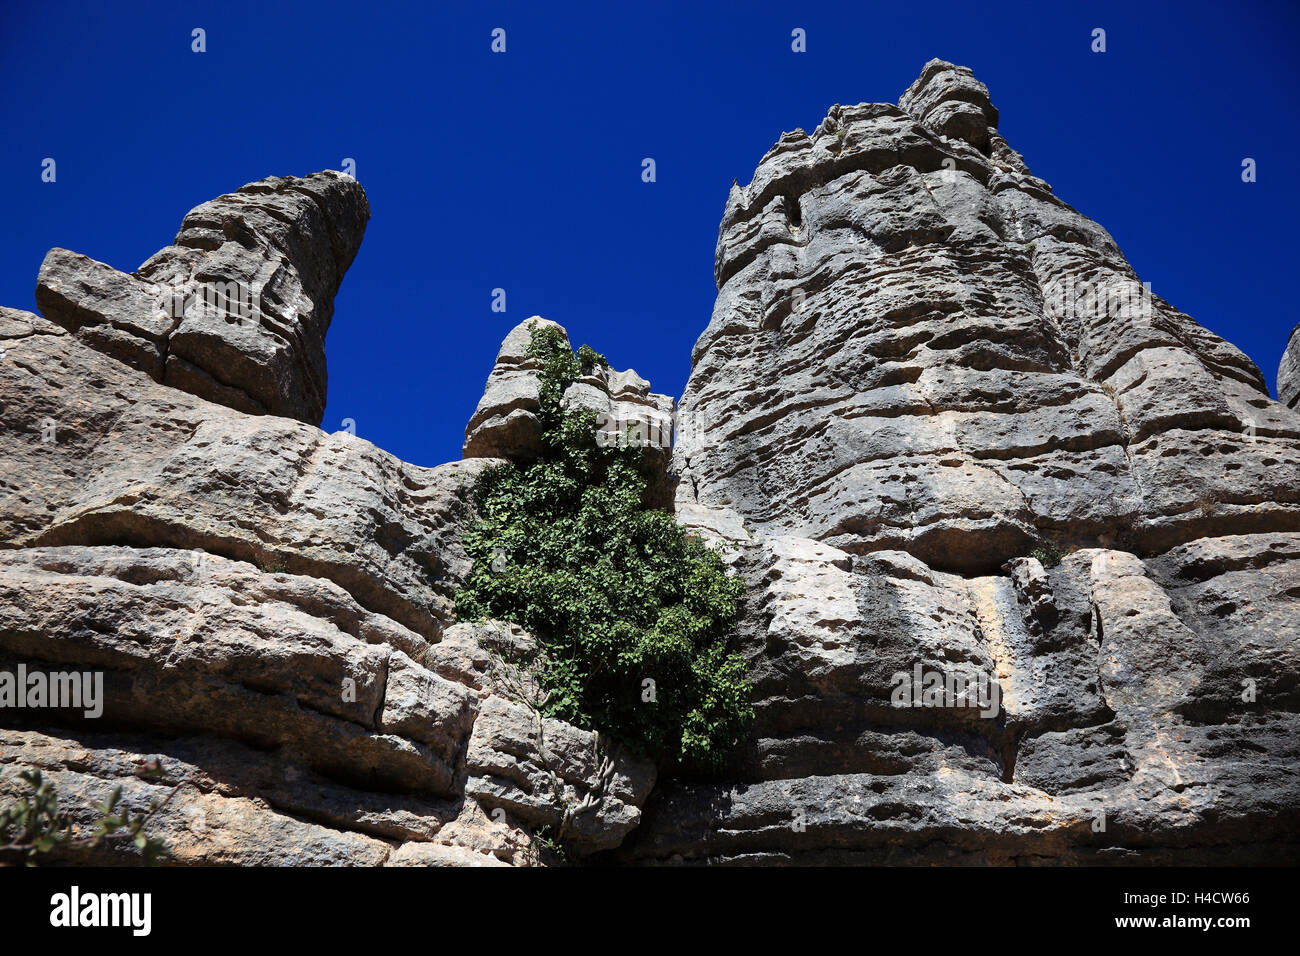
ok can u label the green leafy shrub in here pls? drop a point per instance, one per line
(36, 825)
(1049, 554)
(617, 594)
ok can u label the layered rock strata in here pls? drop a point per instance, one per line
(627, 413)
(265, 609)
(926, 381)
(1021, 543)
(236, 309)
(1288, 372)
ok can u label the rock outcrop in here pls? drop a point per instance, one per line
(236, 309)
(505, 423)
(293, 725)
(1020, 541)
(121, 459)
(267, 607)
(916, 346)
(951, 441)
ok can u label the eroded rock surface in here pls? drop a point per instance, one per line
(98, 453)
(505, 423)
(916, 346)
(294, 726)
(267, 607)
(1021, 544)
(926, 380)
(1288, 372)
(236, 309)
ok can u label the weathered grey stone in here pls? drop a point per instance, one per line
(916, 346)
(228, 804)
(438, 854)
(198, 824)
(236, 310)
(1288, 372)
(113, 312)
(949, 100)
(119, 459)
(190, 642)
(505, 424)
(372, 742)
(922, 367)
(936, 426)
(552, 774)
(955, 817)
(128, 525)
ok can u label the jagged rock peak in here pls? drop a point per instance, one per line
(236, 309)
(944, 122)
(918, 346)
(949, 100)
(942, 428)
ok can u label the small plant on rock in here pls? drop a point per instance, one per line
(1048, 554)
(35, 825)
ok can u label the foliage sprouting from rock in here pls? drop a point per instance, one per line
(631, 610)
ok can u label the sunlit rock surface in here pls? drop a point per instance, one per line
(1020, 540)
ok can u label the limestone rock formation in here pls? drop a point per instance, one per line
(1020, 541)
(505, 423)
(121, 459)
(236, 309)
(268, 607)
(926, 379)
(917, 346)
(300, 728)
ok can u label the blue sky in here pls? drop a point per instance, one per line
(522, 170)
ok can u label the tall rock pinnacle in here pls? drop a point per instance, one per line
(917, 346)
(1022, 540)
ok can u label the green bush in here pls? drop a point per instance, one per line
(617, 593)
(1049, 554)
(35, 825)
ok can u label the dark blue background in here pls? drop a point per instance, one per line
(523, 170)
